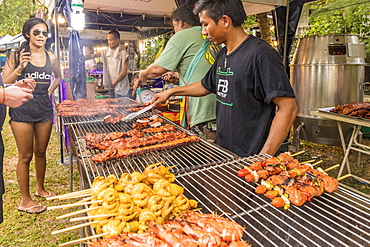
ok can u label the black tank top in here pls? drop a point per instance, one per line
(38, 109)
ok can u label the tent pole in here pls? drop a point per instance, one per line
(286, 34)
(57, 53)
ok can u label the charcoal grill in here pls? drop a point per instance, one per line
(333, 219)
(209, 174)
(99, 117)
(185, 157)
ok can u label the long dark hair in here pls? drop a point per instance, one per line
(215, 9)
(27, 26)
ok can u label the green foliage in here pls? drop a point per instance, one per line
(13, 13)
(340, 17)
(249, 23)
(153, 46)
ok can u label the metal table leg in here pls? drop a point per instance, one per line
(352, 145)
(70, 171)
(348, 149)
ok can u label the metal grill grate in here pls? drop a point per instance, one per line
(209, 174)
(333, 219)
(185, 157)
(78, 119)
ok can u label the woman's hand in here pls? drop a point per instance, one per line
(24, 57)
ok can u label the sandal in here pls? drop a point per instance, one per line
(50, 194)
(31, 211)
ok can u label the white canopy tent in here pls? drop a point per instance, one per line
(165, 7)
(4, 40)
(10, 42)
(149, 8)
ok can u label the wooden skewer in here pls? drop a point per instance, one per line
(305, 162)
(93, 217)
(318, 162)
(343, 177)
(331, 168)
(74, 227)
(300, 152)
(83, 239)
(76, 213)
(74, 205)
(74, 196)
(82, 192)
(86, 199)
(87, 191)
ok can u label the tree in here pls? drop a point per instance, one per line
(153, 46)
(13, 14)
(341, 17)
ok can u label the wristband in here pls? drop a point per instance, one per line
(16, 73)
(2, 97)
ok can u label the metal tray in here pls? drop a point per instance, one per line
(327, 110)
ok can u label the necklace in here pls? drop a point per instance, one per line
(225, 61)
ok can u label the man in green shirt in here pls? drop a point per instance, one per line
(191, 55)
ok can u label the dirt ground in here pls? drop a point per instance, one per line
(332, 155)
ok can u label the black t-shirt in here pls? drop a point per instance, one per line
(245, 82)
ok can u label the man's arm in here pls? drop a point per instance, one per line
(283, 120)
(153, 71)
(195, 90)
(122, 74)
(91, 56)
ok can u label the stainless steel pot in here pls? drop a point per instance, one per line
(325, 71)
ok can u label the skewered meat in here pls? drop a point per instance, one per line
(93, 107)
(135, 109)
(153, 121)
(123, 153)
(190, 229)
(356, 109)
(296, 185)
(166, 127)
(96, 138)
(111, 120)
(129, 143)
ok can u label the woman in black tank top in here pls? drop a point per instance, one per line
(31, 123)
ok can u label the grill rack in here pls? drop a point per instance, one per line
(333, 219)
(185, 157)
(100, 117)
(208, 174)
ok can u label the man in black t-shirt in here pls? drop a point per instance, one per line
(255, 101)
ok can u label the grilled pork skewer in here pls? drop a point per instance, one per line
(123, 153)
(271, 166)
(297, 189)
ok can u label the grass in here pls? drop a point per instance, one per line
(332, 155)
(21, 229)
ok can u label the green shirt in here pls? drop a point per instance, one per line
(177, 56)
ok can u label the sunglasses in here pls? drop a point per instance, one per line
(37, 32)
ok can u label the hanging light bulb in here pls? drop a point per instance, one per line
(77, 16)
